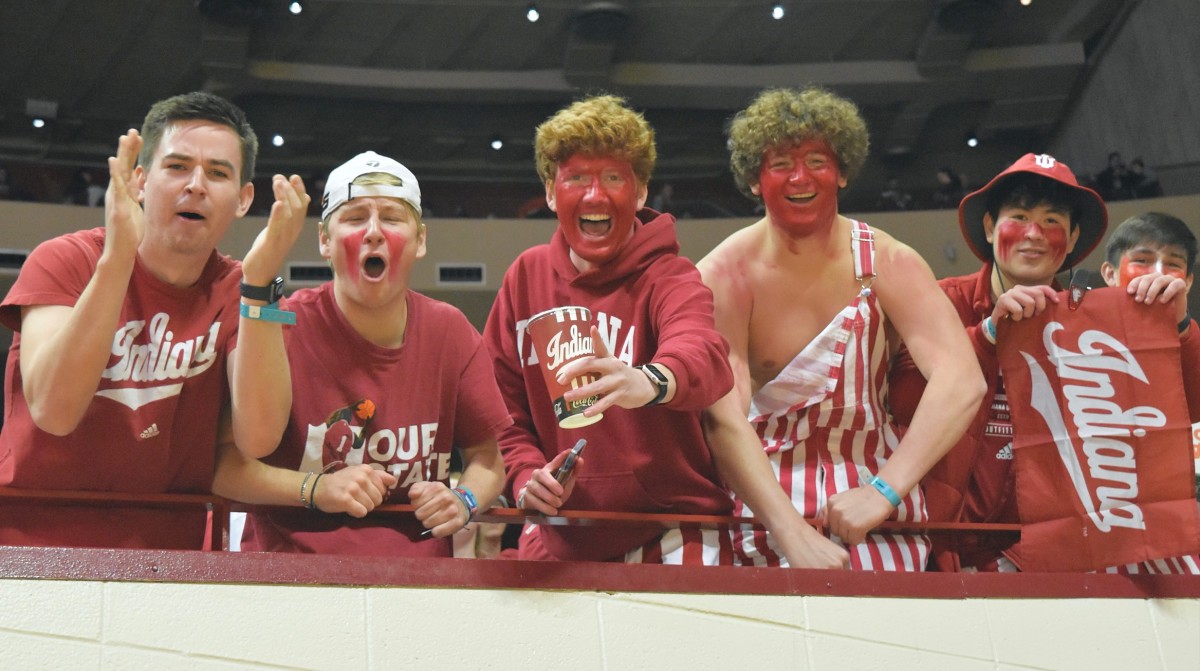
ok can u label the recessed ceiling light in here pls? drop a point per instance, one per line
(277, 140)
(497, 143)
(295, 8)
(777, 11)
(532, 14)
(38, 123)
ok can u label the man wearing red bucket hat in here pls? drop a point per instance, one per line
(658, 361)
(1028, 223)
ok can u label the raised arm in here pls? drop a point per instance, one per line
(926, 321)
(64, 349)
(259, 379)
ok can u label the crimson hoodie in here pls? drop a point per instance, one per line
(649, 305)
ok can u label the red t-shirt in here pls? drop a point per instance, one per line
(152, 425)
(401, 409)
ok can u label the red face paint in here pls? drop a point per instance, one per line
(351, 249)
(596, 198)
(799, 187)
(1144, 261)
(1030, 243)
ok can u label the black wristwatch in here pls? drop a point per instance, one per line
(270, 293)
(658, 380)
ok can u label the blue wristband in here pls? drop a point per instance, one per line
(989, 330)
(468, 499)
(885, 489)
(268, 313)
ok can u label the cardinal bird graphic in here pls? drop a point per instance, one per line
(342, 446)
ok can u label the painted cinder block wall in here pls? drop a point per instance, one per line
(79, 624)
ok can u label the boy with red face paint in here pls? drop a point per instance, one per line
(622, 262)
(386, 383)
(1028, 223)
(131, 357)
(1152, 256)
(811, 302)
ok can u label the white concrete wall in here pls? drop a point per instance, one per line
(49, 624)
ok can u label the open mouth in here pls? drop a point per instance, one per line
(374, 267)
(801, 197)
(597, 225)
(194, 216)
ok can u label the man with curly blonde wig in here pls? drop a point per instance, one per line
(812, 303)
(658, 360)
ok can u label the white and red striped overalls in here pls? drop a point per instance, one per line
(824, 426)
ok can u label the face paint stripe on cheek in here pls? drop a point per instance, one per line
(352, 248)
(396, 245)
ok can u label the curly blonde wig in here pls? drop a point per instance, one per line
(597, 126)
(784, 117)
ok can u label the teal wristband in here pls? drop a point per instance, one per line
(268, 313)
(989, 330)
(885, 489)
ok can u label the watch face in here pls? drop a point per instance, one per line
(270, 293)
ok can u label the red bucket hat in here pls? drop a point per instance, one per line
(1093, 215)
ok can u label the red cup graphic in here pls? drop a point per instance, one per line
(560, 336)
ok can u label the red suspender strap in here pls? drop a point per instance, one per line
(862, 242)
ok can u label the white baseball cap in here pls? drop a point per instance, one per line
(340, 188)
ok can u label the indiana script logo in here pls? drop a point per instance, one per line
(1108, 486)
(163, 360)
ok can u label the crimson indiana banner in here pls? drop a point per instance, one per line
(1102, 439)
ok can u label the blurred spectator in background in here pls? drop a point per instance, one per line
(949, 189)
(84, 189)
(1142, 181)
(893, 197)
(664, 200)
(1113, 182)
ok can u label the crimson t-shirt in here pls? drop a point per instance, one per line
(152, 424)
(402, 409)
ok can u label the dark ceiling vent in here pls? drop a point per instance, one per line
(461, 275)
(11, 261)
(601, 21)
(306, 274)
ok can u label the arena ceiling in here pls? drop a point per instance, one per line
(435, 82)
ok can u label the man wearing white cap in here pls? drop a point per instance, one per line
(386, 382)
(1027, 224)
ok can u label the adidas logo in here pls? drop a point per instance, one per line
(1005, 452)
(150, 432)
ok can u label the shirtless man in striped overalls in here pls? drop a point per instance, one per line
(813, 303)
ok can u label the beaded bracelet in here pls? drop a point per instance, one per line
(312, 493)
(304, 488)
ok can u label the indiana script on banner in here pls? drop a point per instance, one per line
(1102, 439)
